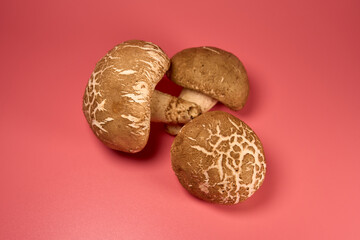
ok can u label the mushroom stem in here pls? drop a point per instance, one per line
(205, 102)
(169, 109)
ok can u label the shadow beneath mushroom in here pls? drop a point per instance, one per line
(168, 86)
(255, 94)
(151, 149)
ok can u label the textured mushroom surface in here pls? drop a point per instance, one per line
(211, 71)
(117, 98)
(169, 109)
(218, 158)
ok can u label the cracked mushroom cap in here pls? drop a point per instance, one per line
(213, 72)
(117, 98)
(218, 158)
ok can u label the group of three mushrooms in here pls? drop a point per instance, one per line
(215, 156)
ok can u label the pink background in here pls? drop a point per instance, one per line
(57, 181)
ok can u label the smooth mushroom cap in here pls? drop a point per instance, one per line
(117, 98)
(211, 71)
(218, 158)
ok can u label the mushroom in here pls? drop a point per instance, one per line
(208, 75)
(218, 158)
(117, 98)
(169, 109)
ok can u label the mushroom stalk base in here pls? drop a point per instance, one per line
(169, 109)
(204, 101)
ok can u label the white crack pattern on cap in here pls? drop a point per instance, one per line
(211, 49)
(241, 142)
(92, 106)
(124, 72)
(135, 122)
(141, 90)
(140, 94)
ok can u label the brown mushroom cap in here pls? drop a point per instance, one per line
(218, 158)
(212, 71)
(117, 98)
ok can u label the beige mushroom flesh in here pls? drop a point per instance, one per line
(209, 75)
(218, 158)
(169, 109)
(118, 97)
